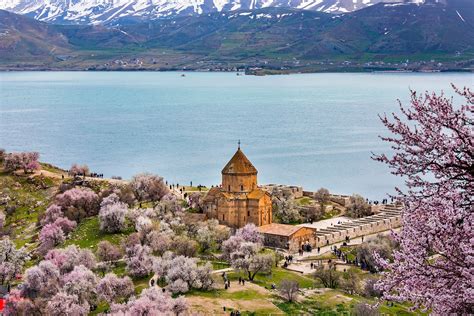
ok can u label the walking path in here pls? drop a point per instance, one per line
(304, 266)
(328, 222)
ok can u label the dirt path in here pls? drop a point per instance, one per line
(60, 175)
(249, 297)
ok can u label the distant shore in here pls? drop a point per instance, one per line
(252, 72)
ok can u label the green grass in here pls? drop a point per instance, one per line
(30, 197)
(335, 302)
(195, 189)
(88, 234)
(218, 265)
(325, 256)
(304, 201)
(245, 294)
(333, 213)
(276, 276)
(310, 307)
(350, 252)
(120, 269)
(51, 168)
(140, 284)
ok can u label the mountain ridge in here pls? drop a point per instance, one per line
(271, 37)
(115, 12)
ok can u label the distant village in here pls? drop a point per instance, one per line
(256, 66)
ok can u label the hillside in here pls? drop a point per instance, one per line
(99, 259)
(23, 39)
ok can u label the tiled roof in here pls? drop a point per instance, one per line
(239, 164)
(256, 194)
(279, 229)
(211, 194)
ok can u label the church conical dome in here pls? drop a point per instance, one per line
(239, 164)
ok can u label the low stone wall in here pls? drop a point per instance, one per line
(295, 191)
(361, 227)
(343, 200)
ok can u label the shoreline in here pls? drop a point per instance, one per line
(258, 74)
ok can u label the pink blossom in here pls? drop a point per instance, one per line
(41, 280)
(108, 252)
(139, 260)
(434, 146)
(66, 259)
(112, 288)
(52, 213)
(28, 161)
(152, 301)
(147, 187)
(81, 282)
(65, 304)
(50, 236)
(78, 203)
(12, 260)
(112, 216)
(65, 224)
(79, 170)
(250, 233)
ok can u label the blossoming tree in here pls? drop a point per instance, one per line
(433, 146)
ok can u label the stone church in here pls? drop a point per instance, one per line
(239, 201)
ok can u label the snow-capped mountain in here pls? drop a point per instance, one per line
(123, 11)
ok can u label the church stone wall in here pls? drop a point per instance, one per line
(239, 183)
(239, 201)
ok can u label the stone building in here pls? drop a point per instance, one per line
(239, 200)
(288, 237)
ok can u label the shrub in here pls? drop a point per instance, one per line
(328, 276)
(27, 161)
(79, 170)
(78, 203)
(358, 207)
(364, 309)
(108, 252)
(148, 187)
(289, 289)
(112, 216)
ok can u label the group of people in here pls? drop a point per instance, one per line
(384, 201)
(305, 247)
(232, 312)
(288, 260)
(342, 256)
(227, 281)
(81, 174)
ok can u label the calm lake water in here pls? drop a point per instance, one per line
(314, 130)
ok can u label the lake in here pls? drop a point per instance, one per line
(313, 130)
